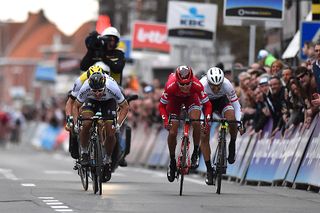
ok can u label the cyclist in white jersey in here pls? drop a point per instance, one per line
(100, 93)
(224, 102)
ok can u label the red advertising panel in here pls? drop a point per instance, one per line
(150, 36)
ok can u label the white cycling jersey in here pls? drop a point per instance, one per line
(226, 89)
(79, 82)
(111, 91)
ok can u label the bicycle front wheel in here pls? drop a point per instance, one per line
(220, 164)
(96, 169)
(183, 162)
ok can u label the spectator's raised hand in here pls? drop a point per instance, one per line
(316, 99)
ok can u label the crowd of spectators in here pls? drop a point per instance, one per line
(269, 89)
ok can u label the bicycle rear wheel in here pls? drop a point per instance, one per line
(96, 169)
(183, 162)
(83, 172)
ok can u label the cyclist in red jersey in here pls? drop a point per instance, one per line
(184, 88)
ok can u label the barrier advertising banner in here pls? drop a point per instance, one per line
(300, 151)
(150, 36)
(309, 162)
(191, 22)
(247, 157)
(291, 139)
(272, 160)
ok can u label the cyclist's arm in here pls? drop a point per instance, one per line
(123, 112)
(76, 106)
(237, 109)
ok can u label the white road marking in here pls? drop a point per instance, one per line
(50, 201)
(56, 203)
(28, 184)
(46, 198)
(163, 174)
(58, 172)
(7, 173)
(59, 207)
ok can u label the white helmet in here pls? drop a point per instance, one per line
(215, 76)
(103, 66)
(111, 31)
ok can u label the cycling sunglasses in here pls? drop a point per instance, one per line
(185, 84)
(97, 90)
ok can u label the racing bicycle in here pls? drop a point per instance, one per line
(96, 152)
(184, 162)
(220, 159)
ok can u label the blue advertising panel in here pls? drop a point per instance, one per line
(241, 147)
(315, 176)
(310, 31)
(273, 158)
(291, 139)
(247, 157)
(305, 136)
(125, 46)
(159, 147)
(257, 165)
(253, 9)
(309, 162)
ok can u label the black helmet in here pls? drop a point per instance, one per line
(97, 80)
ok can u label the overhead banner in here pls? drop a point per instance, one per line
(191, 22)
(150, 36)
(267, 12)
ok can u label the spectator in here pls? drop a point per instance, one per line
(276, 102)
(287, 74)
(309, 87)
(265, 58)
(295, 102)
(276, 68)
(262, 113)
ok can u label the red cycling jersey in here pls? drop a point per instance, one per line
(173, 97)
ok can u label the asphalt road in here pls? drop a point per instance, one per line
(34, 181)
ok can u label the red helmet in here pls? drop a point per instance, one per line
(184, 74)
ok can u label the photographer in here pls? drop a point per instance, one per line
(103, 48)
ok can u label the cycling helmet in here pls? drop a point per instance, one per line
(105, 68)
(215, 76)
(97, 81)
(110, 31)
(184, 74)
(93, 69)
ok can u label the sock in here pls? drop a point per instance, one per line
(208, 165)
(172, 159)
(196, 148)
(84, 150)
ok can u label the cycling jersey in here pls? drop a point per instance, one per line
(226, 89)
(78, 84)
(111, 91)
(174, 97)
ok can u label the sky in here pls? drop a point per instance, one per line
(68, 15)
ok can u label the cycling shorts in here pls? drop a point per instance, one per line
(191, 103)
(107, 108)
(220, 105)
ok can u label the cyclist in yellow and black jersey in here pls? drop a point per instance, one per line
(104, 48)
(97, 67)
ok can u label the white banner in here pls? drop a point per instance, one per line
(191, 22)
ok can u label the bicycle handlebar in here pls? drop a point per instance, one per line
(225, 120)
(175, 117)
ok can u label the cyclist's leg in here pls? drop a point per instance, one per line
(87, 111)
(194, 110)
(230, 115)
(108, 110)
